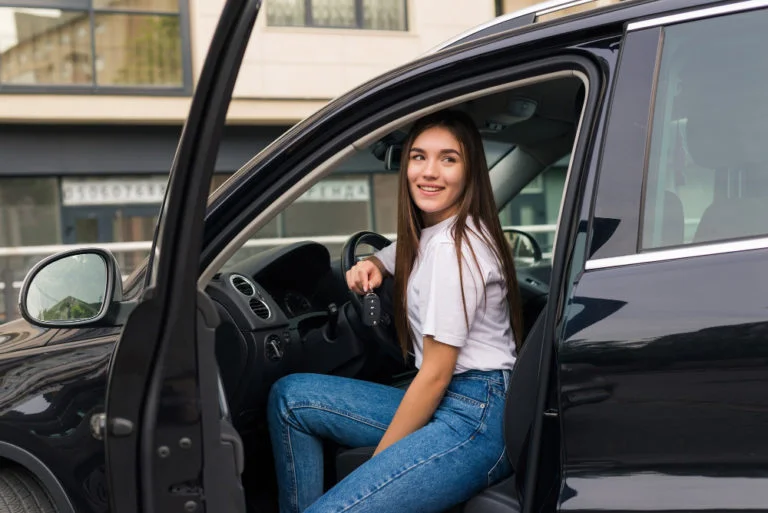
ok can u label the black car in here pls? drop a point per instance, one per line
(641, 382)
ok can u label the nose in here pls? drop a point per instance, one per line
(430, 169)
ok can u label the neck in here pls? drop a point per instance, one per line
(433, 218)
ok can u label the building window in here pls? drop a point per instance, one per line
(355, 14)
(93, 44)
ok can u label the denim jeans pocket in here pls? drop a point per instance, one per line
(466, 403)
(464, 398)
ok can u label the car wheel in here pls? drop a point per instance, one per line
(21, 492)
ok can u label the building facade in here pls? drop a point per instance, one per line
(93, 95)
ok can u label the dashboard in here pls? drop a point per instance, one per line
(286, 310)
(283, 310)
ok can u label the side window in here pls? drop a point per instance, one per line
(707, 176)
(535, 208)
(331, 210)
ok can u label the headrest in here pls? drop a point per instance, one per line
(723, 96)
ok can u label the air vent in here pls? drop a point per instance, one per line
(242, 285)
(260, 308)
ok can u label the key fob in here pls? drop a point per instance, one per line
(371, 309)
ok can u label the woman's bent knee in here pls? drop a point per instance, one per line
(291, 389)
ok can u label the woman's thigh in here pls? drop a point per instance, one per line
(444, 463)
(350, 412)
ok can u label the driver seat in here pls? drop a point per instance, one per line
(519, 411)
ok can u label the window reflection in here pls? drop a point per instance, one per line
(29, 216)
(72, 288)
(364, 14)
(138, 44)
(286, 13)
(384, 15)
(138, 5)
(45, 46)
(334, 13)
(138, 50)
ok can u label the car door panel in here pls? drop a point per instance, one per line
(48, 398)
(662, 376)
(661, 358)
(166, 447)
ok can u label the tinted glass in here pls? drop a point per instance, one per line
(138, 50)
(138, 5)
(45, 46)
(361, 14)
(707, 177)
(536, 208)
(384, 14)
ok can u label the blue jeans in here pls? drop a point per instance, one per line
(456, 455)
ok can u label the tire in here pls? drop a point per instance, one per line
(21, 492)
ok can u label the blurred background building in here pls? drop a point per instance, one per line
(93, 94)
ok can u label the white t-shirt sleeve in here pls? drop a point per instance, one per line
(387, 257)
(441, 299)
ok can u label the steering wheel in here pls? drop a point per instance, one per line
(385, 333)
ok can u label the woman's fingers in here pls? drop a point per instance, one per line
(352, 281)
(374, 280)
(363, 277)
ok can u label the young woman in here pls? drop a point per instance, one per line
(457, 308)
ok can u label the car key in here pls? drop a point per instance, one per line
(371, 309)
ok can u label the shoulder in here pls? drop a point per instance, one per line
(476, 244)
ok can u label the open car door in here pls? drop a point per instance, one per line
(169, 444)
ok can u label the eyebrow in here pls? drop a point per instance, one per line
(447, 150)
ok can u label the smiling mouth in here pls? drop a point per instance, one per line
(430, 188)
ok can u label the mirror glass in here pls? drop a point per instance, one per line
(70, 289)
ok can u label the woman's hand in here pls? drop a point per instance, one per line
(365, 276)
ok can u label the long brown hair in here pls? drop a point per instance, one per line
(476, 202)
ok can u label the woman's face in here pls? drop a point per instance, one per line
(436, 174)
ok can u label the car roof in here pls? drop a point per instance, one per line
(515, 19)
(567, 11)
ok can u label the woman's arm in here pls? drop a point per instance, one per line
(380, 265)
(425, 392)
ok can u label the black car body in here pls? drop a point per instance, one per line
(641, 387)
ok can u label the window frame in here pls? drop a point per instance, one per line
(639, 255)
(87, 6)
(309, 23)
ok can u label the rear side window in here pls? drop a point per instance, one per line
(707, 175)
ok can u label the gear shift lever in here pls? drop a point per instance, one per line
(333, 322)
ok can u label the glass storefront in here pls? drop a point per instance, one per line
(39, 212)
(29, 216)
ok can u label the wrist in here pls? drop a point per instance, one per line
(380, 266)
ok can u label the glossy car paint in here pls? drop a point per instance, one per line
(663, 374)
(50, 417)
(661, 364)
(51, 383)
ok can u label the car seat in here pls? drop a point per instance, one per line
(729, 138)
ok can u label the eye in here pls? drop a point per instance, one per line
(451, 160)
(417, 156)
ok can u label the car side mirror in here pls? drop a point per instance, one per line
(525, 249)
(71, 289)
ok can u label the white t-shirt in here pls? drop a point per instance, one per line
(435, 305)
